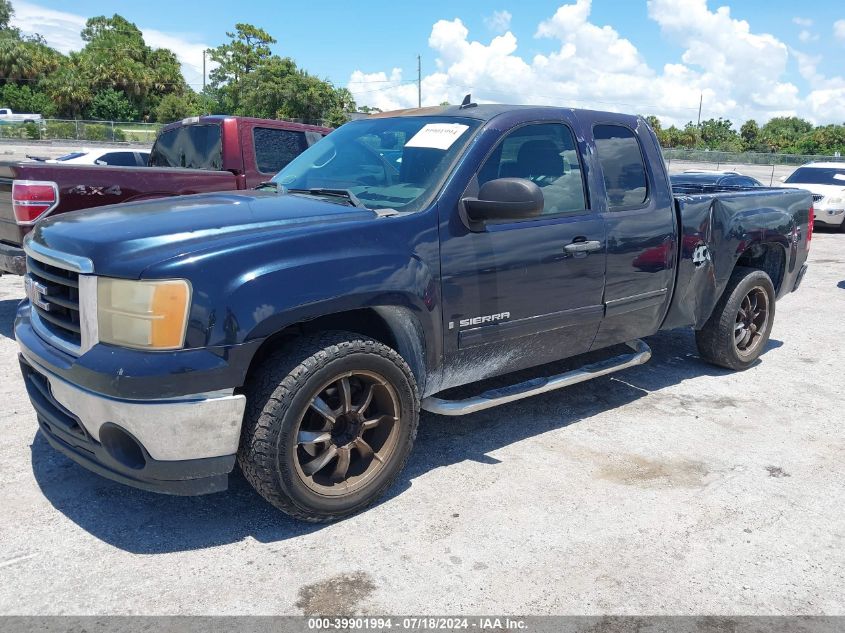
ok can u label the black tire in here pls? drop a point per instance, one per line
(717, 340)
(281, 400)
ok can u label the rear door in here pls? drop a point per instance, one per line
(639, 215)
(516, 294)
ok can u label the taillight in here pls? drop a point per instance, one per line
(33, 198)
(810, 221)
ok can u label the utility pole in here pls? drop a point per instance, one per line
(204, 51)
(419, 82)
(700, 101)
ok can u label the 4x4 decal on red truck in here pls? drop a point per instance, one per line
(90, 190)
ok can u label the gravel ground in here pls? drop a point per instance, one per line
(671, 488)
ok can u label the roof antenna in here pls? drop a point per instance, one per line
(467, 102)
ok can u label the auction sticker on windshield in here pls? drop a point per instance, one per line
(437, 135)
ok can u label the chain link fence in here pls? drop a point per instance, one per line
(742, 158)
(80, 130)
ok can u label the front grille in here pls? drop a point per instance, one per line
(55, 299)
(817, 197)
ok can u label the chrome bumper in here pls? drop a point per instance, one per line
(190, 427)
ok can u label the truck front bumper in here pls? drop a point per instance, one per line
(184, 445)
(12, 259)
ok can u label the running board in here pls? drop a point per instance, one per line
(536, 386)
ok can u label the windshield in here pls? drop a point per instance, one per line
(818, 176)
(71, 156)
(393, 163)
(191, 146)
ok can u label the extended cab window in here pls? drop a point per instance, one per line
(275, 148)
(192, 146)
(122, 159)
(545, 154)
(622, 165)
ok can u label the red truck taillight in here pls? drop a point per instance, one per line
(31, 199)
(810, 221)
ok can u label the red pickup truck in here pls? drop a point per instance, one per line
(197, 155)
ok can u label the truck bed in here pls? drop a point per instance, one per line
(713, 232)
(87, 186)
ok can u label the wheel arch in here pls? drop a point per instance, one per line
(770, 257)
(395, 326)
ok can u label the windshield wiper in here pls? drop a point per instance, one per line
(332, 193)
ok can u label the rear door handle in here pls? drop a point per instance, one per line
(583, 247)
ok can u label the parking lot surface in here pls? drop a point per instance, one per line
(670, 488)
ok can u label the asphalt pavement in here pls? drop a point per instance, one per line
(671, 488)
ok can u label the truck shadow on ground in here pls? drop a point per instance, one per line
(146, 523)
(8, 308)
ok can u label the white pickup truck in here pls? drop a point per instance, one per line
(7, 116)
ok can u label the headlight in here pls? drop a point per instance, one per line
(143, 314)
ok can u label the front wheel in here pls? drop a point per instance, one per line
(330, 422)
(737, 332)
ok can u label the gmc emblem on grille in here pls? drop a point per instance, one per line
(36, 292)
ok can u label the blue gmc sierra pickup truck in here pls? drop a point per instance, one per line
(298, 329)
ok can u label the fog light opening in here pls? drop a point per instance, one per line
(122, 447)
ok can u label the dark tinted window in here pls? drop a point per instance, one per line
(274, 149)
(123, 159)
(622, 166)
(192, 146)
(818, 176)
(740, 181)
(545, 154)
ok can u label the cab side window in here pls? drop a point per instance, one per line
(622, 166)
(545, 154)
(275, 148)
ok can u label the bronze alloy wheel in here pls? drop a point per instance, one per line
(751, 321)
(347, 434)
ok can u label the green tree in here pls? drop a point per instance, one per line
(109, 104)
(826, 139)
(24, 98)
(69, 88)
(781, 134)
(654, 122)
(750, 134)
(174, 107)
(6, 13)
(247, 49)
(718, 134)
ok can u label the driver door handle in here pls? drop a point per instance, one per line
(582, 247)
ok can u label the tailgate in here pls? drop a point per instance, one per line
(10, 232)
(86, 186)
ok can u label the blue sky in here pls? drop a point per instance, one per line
(375, 37)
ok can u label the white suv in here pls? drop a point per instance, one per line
(826, 181)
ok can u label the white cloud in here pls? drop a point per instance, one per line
(61, 30)
(806, 36)
(805, 22)
(740, 73)
(839, 29)
(499, 21)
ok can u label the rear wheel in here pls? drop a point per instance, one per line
(737, 332)
(330, 422)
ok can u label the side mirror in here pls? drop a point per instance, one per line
(505, 199)
(782, 179)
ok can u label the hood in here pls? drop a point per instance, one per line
(823, 190)
(140, 234)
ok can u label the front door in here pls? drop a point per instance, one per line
(522, 293)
